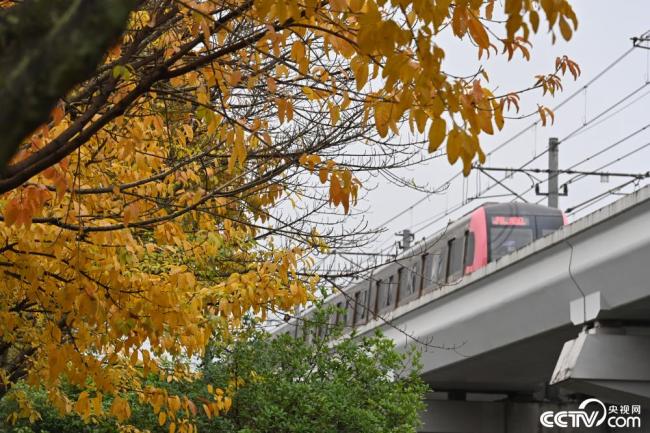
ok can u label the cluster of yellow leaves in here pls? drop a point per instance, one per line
(21, 209)
(221, 401)
(413, 81)
(169, 408)
(551, 83)
(275, 281)
(344, 187)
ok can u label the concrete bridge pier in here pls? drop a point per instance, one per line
(608, 362)
(507, 416)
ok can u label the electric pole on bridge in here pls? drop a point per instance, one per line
(553, 192)
(407, 236)
(553, 166)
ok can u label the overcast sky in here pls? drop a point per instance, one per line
(605, 29)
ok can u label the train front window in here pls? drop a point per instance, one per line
(548, 224)
(506, 239)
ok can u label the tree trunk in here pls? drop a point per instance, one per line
(46, 48)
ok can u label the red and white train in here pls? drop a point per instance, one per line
(484, 235)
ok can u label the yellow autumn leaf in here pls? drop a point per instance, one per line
(437, 133)
(478, 32)
(454, 145)
(359, 67)
(335, 113)
(565, 29)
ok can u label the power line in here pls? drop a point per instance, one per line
(599, 197)
(613, 145)
(584, 125)
(590, 157)
(570, 98)
(588, 124)
(481, 194)
(630, 153)
(500, 182)
(623, 108)
(600, 152)
(574, 209)
(548, 171)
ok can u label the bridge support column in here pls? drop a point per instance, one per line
(608, 363)
(448, 416)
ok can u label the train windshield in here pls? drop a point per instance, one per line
(548, 224)
(506, 239)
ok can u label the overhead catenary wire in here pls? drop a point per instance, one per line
(574, 209)
(636, 178)
(600, 152)
(598, 119)
(502, 184)
(588, 125)
(578, 172)
(620, 158)
(583, 128)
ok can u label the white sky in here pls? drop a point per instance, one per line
(605, 29)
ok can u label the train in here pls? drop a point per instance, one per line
(484, 235)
